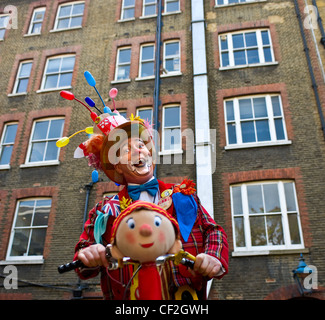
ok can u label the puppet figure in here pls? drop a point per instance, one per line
(143, 232)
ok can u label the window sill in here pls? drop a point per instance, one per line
(144, 78)
(148, 17)
(65, 29)
(17, 94)
(26, 261)
(237, 4)
(120, 81)
(268, 252)
(39, 164)
(170, 152)
(255, 65)
(126, 20)
(53, 89)
(171, 74)
(171, 13)
(27, 35)
(258, 145)
(5, 167)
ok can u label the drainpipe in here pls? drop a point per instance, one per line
(203, 151)
(157, 80)
(314, 84)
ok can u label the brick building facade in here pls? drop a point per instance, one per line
(263, 109)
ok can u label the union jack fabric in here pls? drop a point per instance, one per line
(112, 207)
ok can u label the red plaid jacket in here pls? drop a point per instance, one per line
(206, 237)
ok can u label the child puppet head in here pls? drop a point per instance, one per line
(143, 232)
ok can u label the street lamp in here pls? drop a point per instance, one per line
(300, 273)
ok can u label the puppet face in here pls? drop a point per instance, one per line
(145, 235)
(135, 161)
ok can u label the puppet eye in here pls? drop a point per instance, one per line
(157, 221)
(131, 223)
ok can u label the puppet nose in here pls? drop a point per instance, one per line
(145, 230)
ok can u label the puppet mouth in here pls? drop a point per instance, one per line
(146, 245)
(141, 166)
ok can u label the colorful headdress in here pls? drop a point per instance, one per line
(96, 148)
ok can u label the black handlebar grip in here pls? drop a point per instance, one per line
(188, 263)
(70, 266)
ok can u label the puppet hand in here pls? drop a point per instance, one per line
(93, 256)
(207, 265)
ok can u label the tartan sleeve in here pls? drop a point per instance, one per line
(216, 243)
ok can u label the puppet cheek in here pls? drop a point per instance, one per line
(130, 238)
(161, 237)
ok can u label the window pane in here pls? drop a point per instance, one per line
(123, 73)
(274, 230)
(65, 11)
(279, 129)
(128, 3)
(150, 10)
(67, 63)
(128, 13)
(65, 80)
(237, 41)
(258, 234)
(239, 57)
(172, 117)
(260, 107)
(51, 82)
(51, 151)
(252, 56)
(42, 212)
(225, 59)
(172, 6)
(232, 138)
(125, 56)
(63, 23)
(262, 130)
(20, 242)
(267, 54)
(245, 109)
(250, 39)
(172, 48)
(248, 131)
(76, 22)
(294, 228)
(290, 197)
(271, 198)
(5, 155)
(224, 43)
(147, 52)
(53, 65)
(230, 111)
(265, 38)
(145, 114)
(276, 106)
(147, 69)
(25, 69)
(172, 139)
(56, 128)
(237, 201)
(10, 134)
(37, 152)
(22, 86)
(172, 64)
(40, 130)
(25, 213)
(37, 242)
(255, 199)
(78, 9)
(239, 231)
(36, 28)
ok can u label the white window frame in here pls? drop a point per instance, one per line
(32, 22)
(18, 78)
(4, 16)
(249, 249)
(45, 74)
(176, 72)
(2, 143)
(148, 60)
(118, 64)
(271, 122)
(70, 16)
(171, 12)
(25, 258)
(177, 150)
(124, 7)
(144, 5)
(226, 3)
(145, 108)
(30, 143)
(259, 47)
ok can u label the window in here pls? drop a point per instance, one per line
(36, 22)
(265, 216)
(172, 57)
(69, 16)
(7, 143)
(171, 138)
(246, 48)
(58, 72)
(123, 64)
(228, 2)
(42, 145)
(147, 60)
(127, 9)
(4, 19)
(29, 229)
(255, 120)
(149, 8)
(171, 6)
(22, 78)
(122, 113)
(145, 114)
